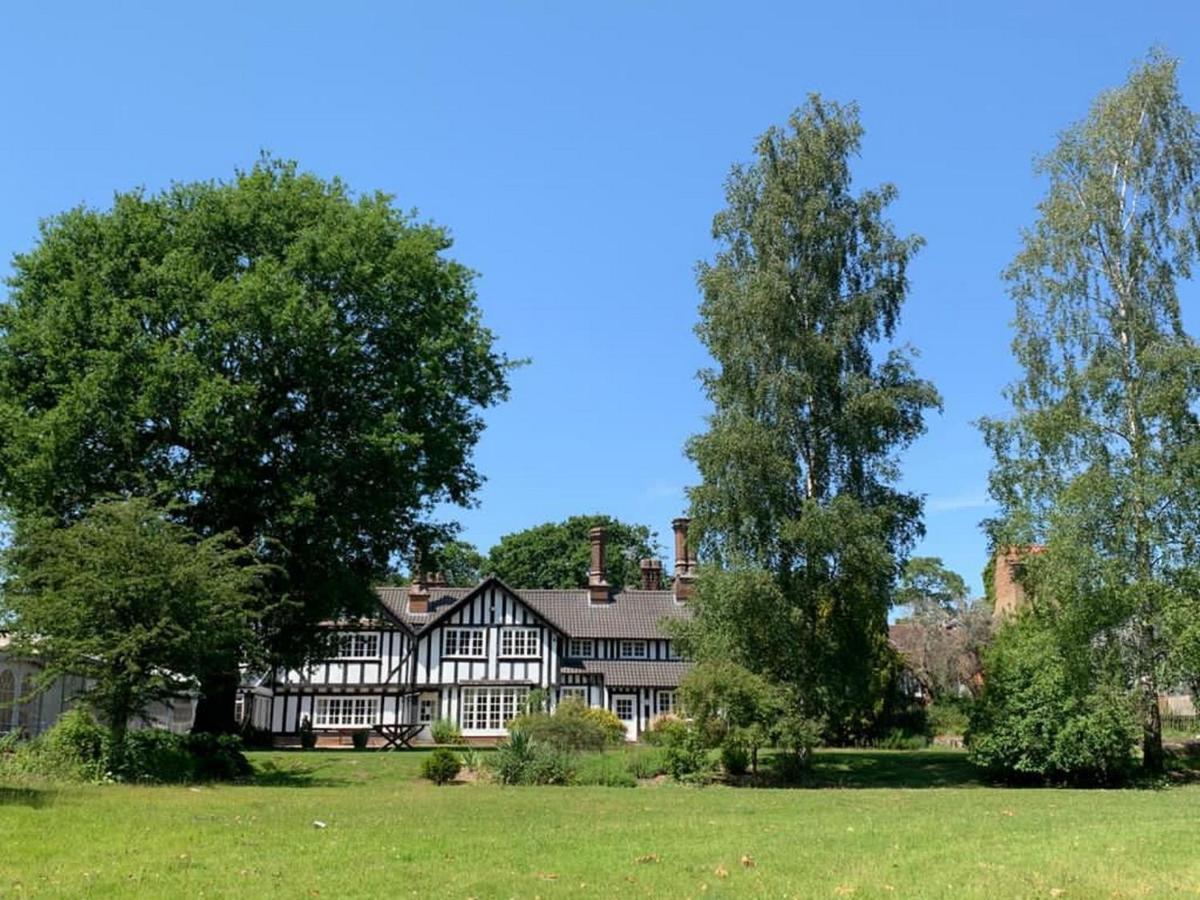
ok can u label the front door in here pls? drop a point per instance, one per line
(625, 706)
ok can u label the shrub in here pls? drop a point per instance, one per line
(523, 760)
(572, 726)
(606, 769)
(1038, 720)
(308, 737)
(686, 756)
(663, 729)
(735, 759)
(950, 715)
(790, 768)
(73, 750)
(156, 755)
(441, 766)
(218, 757)
(646, 762)
(360, 738)
(899, 739)
(444, 731)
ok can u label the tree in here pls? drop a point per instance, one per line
(1100, 458)
(558, 554)
(798, 499)
(285, 360)
(458, 562)
(943, 636)
(133, 602)
(731, 706)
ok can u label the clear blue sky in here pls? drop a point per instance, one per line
(577, 152)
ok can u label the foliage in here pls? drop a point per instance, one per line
(902, 739)
(524, 760)
(291, 362)
(927, 582)
(131, 601)
(445, 731)
(735, 759)
(607, 769)
(731, 706)
(660, 729)
(949, 716)
(1043, 716)
(441, 766)
(943, 646)
(558, 554)
(645, 762)
(1099, 460)
(77, 748)
(685, 753)
(798, 499)
(572, 726)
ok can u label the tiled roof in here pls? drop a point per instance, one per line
(631, 614)
(634, 673)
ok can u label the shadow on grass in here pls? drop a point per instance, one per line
(892, 769)
(33, 798)
(269, 773)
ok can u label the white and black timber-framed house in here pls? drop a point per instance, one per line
(472, 655)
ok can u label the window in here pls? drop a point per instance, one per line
(491, 709)
(672, 653)
(623, 707)
(520, 642)
(341, 712)
(239, 708)
(8, 694)
(581, 648)
(576, 692)
(464, 642)
(633, 649)
(425, 710)
(665, 703)
(359, 646)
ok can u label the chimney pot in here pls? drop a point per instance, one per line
(685, 564)
(651, 574)
(418, 594)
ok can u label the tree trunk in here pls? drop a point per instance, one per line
(1153, 756)
(218, 694)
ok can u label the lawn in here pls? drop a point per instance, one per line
(882, 824)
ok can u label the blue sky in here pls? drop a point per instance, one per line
(577, 152)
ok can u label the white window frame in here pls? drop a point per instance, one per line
(425, 710)
(490, 709)
(629, 646)
(474, 640)
(520, 642)
(345, 712)
(582, 648)
(358, 645)
(621, 699)
(672, 703)
(573, 692)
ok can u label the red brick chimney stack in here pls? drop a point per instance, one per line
(685, 563)
(418, 594)
(651, 574)
(598, 590)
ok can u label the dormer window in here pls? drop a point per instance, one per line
(633, 649)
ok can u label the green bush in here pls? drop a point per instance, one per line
(444, 731)
(1038, 719)
(735, 759)
(441, 766)
(686, 755)
(218, 757)
(572, 726)
(949, 716)
(523, 760)
(75, 749)
(604, 769)
(646, 762)
(899, 739)
(156, 755)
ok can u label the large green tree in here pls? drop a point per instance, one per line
(810, 407)
(1100, 458)
(281, 358)
(133, 602)
(557, 554)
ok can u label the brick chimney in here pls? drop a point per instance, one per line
(1009, 593)
(685, 564)
(418, 594)
(651, 574)
(598, 590)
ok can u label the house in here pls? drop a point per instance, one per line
(30, 709)
(472, 655)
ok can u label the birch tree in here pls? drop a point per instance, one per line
(1099, 459)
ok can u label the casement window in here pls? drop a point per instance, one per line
(664, 703)
(520, 642)
(624, 708)
(633, 649)
(491, 708)
(672, 653)
(346, 712)
(582, 648)
(574, 692)
(425, 710)
(464, 642)
(359, 646)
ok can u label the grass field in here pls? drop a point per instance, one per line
(882, 824)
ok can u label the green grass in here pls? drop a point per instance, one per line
(884, 824)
